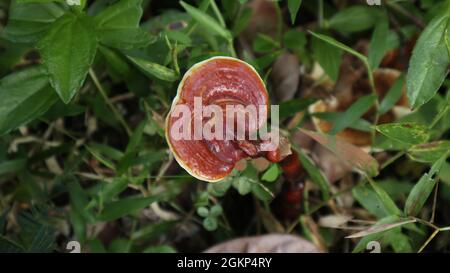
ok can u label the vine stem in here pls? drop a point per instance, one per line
(116, 112)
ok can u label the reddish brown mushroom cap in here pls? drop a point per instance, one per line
(220, 81)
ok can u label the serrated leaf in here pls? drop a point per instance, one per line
(428, 65)
(68, 50)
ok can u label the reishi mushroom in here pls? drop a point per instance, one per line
(217, 81)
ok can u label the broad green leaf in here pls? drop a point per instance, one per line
(206, 21)
(354, 19)
(429, 62)
(422, 190)
(118, 26)
(290, 107)
(68, 50)
(368, 198)
(429, 152)
(29, 22)
(378, 44)
(328, 56)
(407, 132)
(154, 69)
(353, 113)
(385, 199)
(271, 174)
(125, 206)
(349, 153)
(126, 38)
(294, 6)
(122, 14)
(315, 174)
(24, 96)
(392, 96)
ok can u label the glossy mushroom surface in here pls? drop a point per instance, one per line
(217, 81)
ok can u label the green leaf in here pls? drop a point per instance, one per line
(216, 210)
(206, 21)
(328, 56)
(422, 190)
(153, 231)
(354, 19)
(125, 206)
(271, 174)
(385, 199)
(126, 38)
(315, 174)
(264, 43)
(429, 152)
(118, 26)
(154, 69)
(68, 51)
(392, 96)
(122, 14)
(368, 198)
(203, 211)
(290, 107)
(406, 132)
(210, 223)
(132, 148)
(12, 166)
(294, 6)
(24, 96)
(378, 44)
(349, 153)
(340, 45)
(353, 113)
(429, 62)
(29, 22)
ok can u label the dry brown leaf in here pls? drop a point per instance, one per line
(270, 243)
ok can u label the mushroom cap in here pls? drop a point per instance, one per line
(220, 81)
